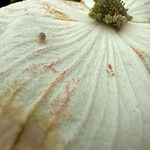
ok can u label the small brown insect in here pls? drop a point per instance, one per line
(42, 37)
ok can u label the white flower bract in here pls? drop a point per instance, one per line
(86, 87)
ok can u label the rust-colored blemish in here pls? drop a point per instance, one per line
(56, 14)
(41, 49)
(36, 105)
(61, 104)
(110, 70)
(33, 68)
(69, 91)
(39, 103)
(140, 54)
(51, 135)
(47, 91)
(50, 67)
(41, 67)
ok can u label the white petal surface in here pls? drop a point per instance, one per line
(137, 36)
(89, 3)
(84, 88)
(139, 9)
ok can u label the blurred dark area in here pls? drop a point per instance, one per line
(7, 2)
(4, 3)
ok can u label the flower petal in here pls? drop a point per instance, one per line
(138, 37)
(114, 110)
(77, 90)
(57, 9)
(139, 9)
(89, 3)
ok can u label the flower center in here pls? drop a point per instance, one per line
(111, 12)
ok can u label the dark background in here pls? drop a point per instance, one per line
(7, 2)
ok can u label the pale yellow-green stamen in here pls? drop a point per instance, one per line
(111, 12)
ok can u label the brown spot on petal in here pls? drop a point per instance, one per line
(46, 128)
(60, 104)
(42, 37)
(110, 70)
(144, 57)
(39, 68)
(50, 66)
(140, 54)
(32, 68)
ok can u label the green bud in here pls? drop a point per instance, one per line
(99, 16)
(93, 15)
(108, 19)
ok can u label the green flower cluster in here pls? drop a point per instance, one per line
(111, 12)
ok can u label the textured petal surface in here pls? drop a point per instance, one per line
(137, 36)
(89, 3)
(83, 88)
(139, 9)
